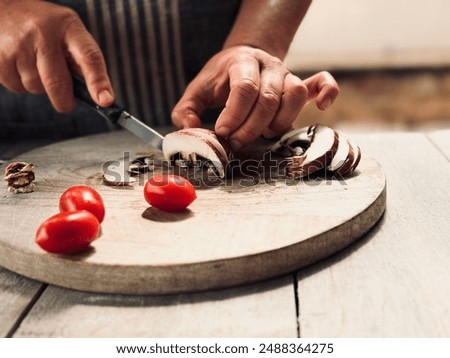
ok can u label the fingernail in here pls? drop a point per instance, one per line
(105, 97)
(223, 131)
(326, 104)
(235, 145)
(269, 134)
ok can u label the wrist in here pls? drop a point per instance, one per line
(258, 43)
(267, 25)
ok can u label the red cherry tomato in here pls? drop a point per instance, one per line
(68, 232)
(169, 192)
(82, 197)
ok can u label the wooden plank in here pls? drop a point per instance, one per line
(394, 283)
(263, 310)
(241, 231)
(441, 138)
(16, 295)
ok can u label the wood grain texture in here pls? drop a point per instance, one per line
(239, 232)
(263, 310)
(16, 294)
(395, 282)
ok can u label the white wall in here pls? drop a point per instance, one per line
(346, 34)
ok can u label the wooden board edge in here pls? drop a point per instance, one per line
(203, 276)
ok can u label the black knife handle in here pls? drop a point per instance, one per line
(81, 93)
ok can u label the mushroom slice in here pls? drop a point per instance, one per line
(194, 142)
(345, 169)
(219, 143)
(140, 165)
(323, 147)
(342, 154)
(294, 142)
(357, 159)
(352, 160)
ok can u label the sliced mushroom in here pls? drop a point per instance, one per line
(342, 154)
(140, 165)
(346, 168)
(313, 148)
(195, 144)
(357, 159)
(294, 142)
(319, 154)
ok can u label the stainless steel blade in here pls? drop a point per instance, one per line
(140, 129)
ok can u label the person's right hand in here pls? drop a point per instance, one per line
(40, 44)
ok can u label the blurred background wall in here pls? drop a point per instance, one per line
(390, 57)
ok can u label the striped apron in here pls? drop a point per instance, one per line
(153, 48)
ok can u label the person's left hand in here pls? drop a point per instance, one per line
(260, 95)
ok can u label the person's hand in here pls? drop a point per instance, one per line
(260, 95)
(40, 44)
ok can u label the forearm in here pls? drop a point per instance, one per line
(269, 25)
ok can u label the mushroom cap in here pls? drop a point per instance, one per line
(317, 147)
(201, 142)
(323, 147)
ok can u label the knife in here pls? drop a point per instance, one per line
(116, 114)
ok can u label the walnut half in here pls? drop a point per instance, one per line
(19, 177)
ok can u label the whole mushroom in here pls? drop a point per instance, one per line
(19, 177)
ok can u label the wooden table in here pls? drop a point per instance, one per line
(395, 282)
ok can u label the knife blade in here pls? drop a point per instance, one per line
(116, 114)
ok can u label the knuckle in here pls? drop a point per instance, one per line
(62, 103)
(298, 91)
(249, 133)
(233, 119)
(274, 62)
(269, 101)
(32, 24)
(7, 55)
(247, 88)
(246, 134)
(327, 75)
(68, 17)
(329, 79)
(15, 87)
(92, 54)
(179, 113)
(330, 90)
(279, 126)
(10, 81)
(59, 19)
(33, 84)
(55, 85)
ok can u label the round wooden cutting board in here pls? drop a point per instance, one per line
(253, 226)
